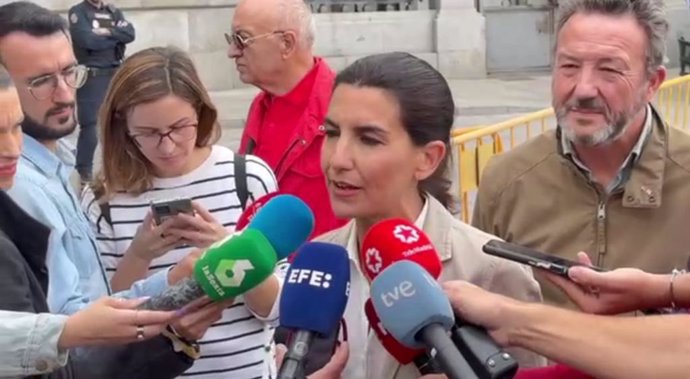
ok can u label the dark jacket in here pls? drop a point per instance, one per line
(94, 50)
(23, 288)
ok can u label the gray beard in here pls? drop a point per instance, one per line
(605, 136)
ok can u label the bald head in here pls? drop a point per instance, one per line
(293, 15)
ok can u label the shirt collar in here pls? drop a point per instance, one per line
(353, 247)
(299, 95)
(630, 160)
(50, 163)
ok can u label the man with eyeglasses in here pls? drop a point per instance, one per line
(271, 44)
(100, 34)
(36, 50)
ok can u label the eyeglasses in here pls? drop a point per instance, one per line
(43, 87)
(177, 135)
(242, 43)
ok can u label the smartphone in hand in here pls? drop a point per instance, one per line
(531, 257)
(164, 209)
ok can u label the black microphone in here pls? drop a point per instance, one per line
(485, 357)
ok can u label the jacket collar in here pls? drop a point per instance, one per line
(50, 163)
(317, 106)
(643, 188)
(28, 235)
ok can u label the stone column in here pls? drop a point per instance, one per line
(460, 40)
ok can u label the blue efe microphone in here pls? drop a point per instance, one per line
(416, 312)
(286, 221)
(313, 300)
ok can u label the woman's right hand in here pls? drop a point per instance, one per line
(111, 320)
(151, 241)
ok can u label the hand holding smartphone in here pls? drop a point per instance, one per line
(531, 257)
(163, 210)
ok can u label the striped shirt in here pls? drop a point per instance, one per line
(239, 345)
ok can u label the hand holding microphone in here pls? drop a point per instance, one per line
(414, 309)
(397, 240)
(242, 261)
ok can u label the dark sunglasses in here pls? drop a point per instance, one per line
(241, 43)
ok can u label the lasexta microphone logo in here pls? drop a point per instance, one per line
(228, 273)
(231, 273)
(406, 234)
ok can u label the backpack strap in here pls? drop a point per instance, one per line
(240, 164)
(105, 212)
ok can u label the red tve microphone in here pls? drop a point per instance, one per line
(249, 213)
(393, 240)
(387, 242)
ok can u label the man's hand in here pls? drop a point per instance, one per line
(482, 308)
(331, 370)
(618, 291)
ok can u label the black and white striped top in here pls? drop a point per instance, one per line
(238, 345)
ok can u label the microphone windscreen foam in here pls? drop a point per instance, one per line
(316, 288)
(393, 240)
(286, 221)
(235, 265)
(407, 299)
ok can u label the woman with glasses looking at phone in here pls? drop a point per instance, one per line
(158, 129)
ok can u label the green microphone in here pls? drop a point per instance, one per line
(227, 269)
(235, 265)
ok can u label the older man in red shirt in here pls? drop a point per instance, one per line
(271, 43)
